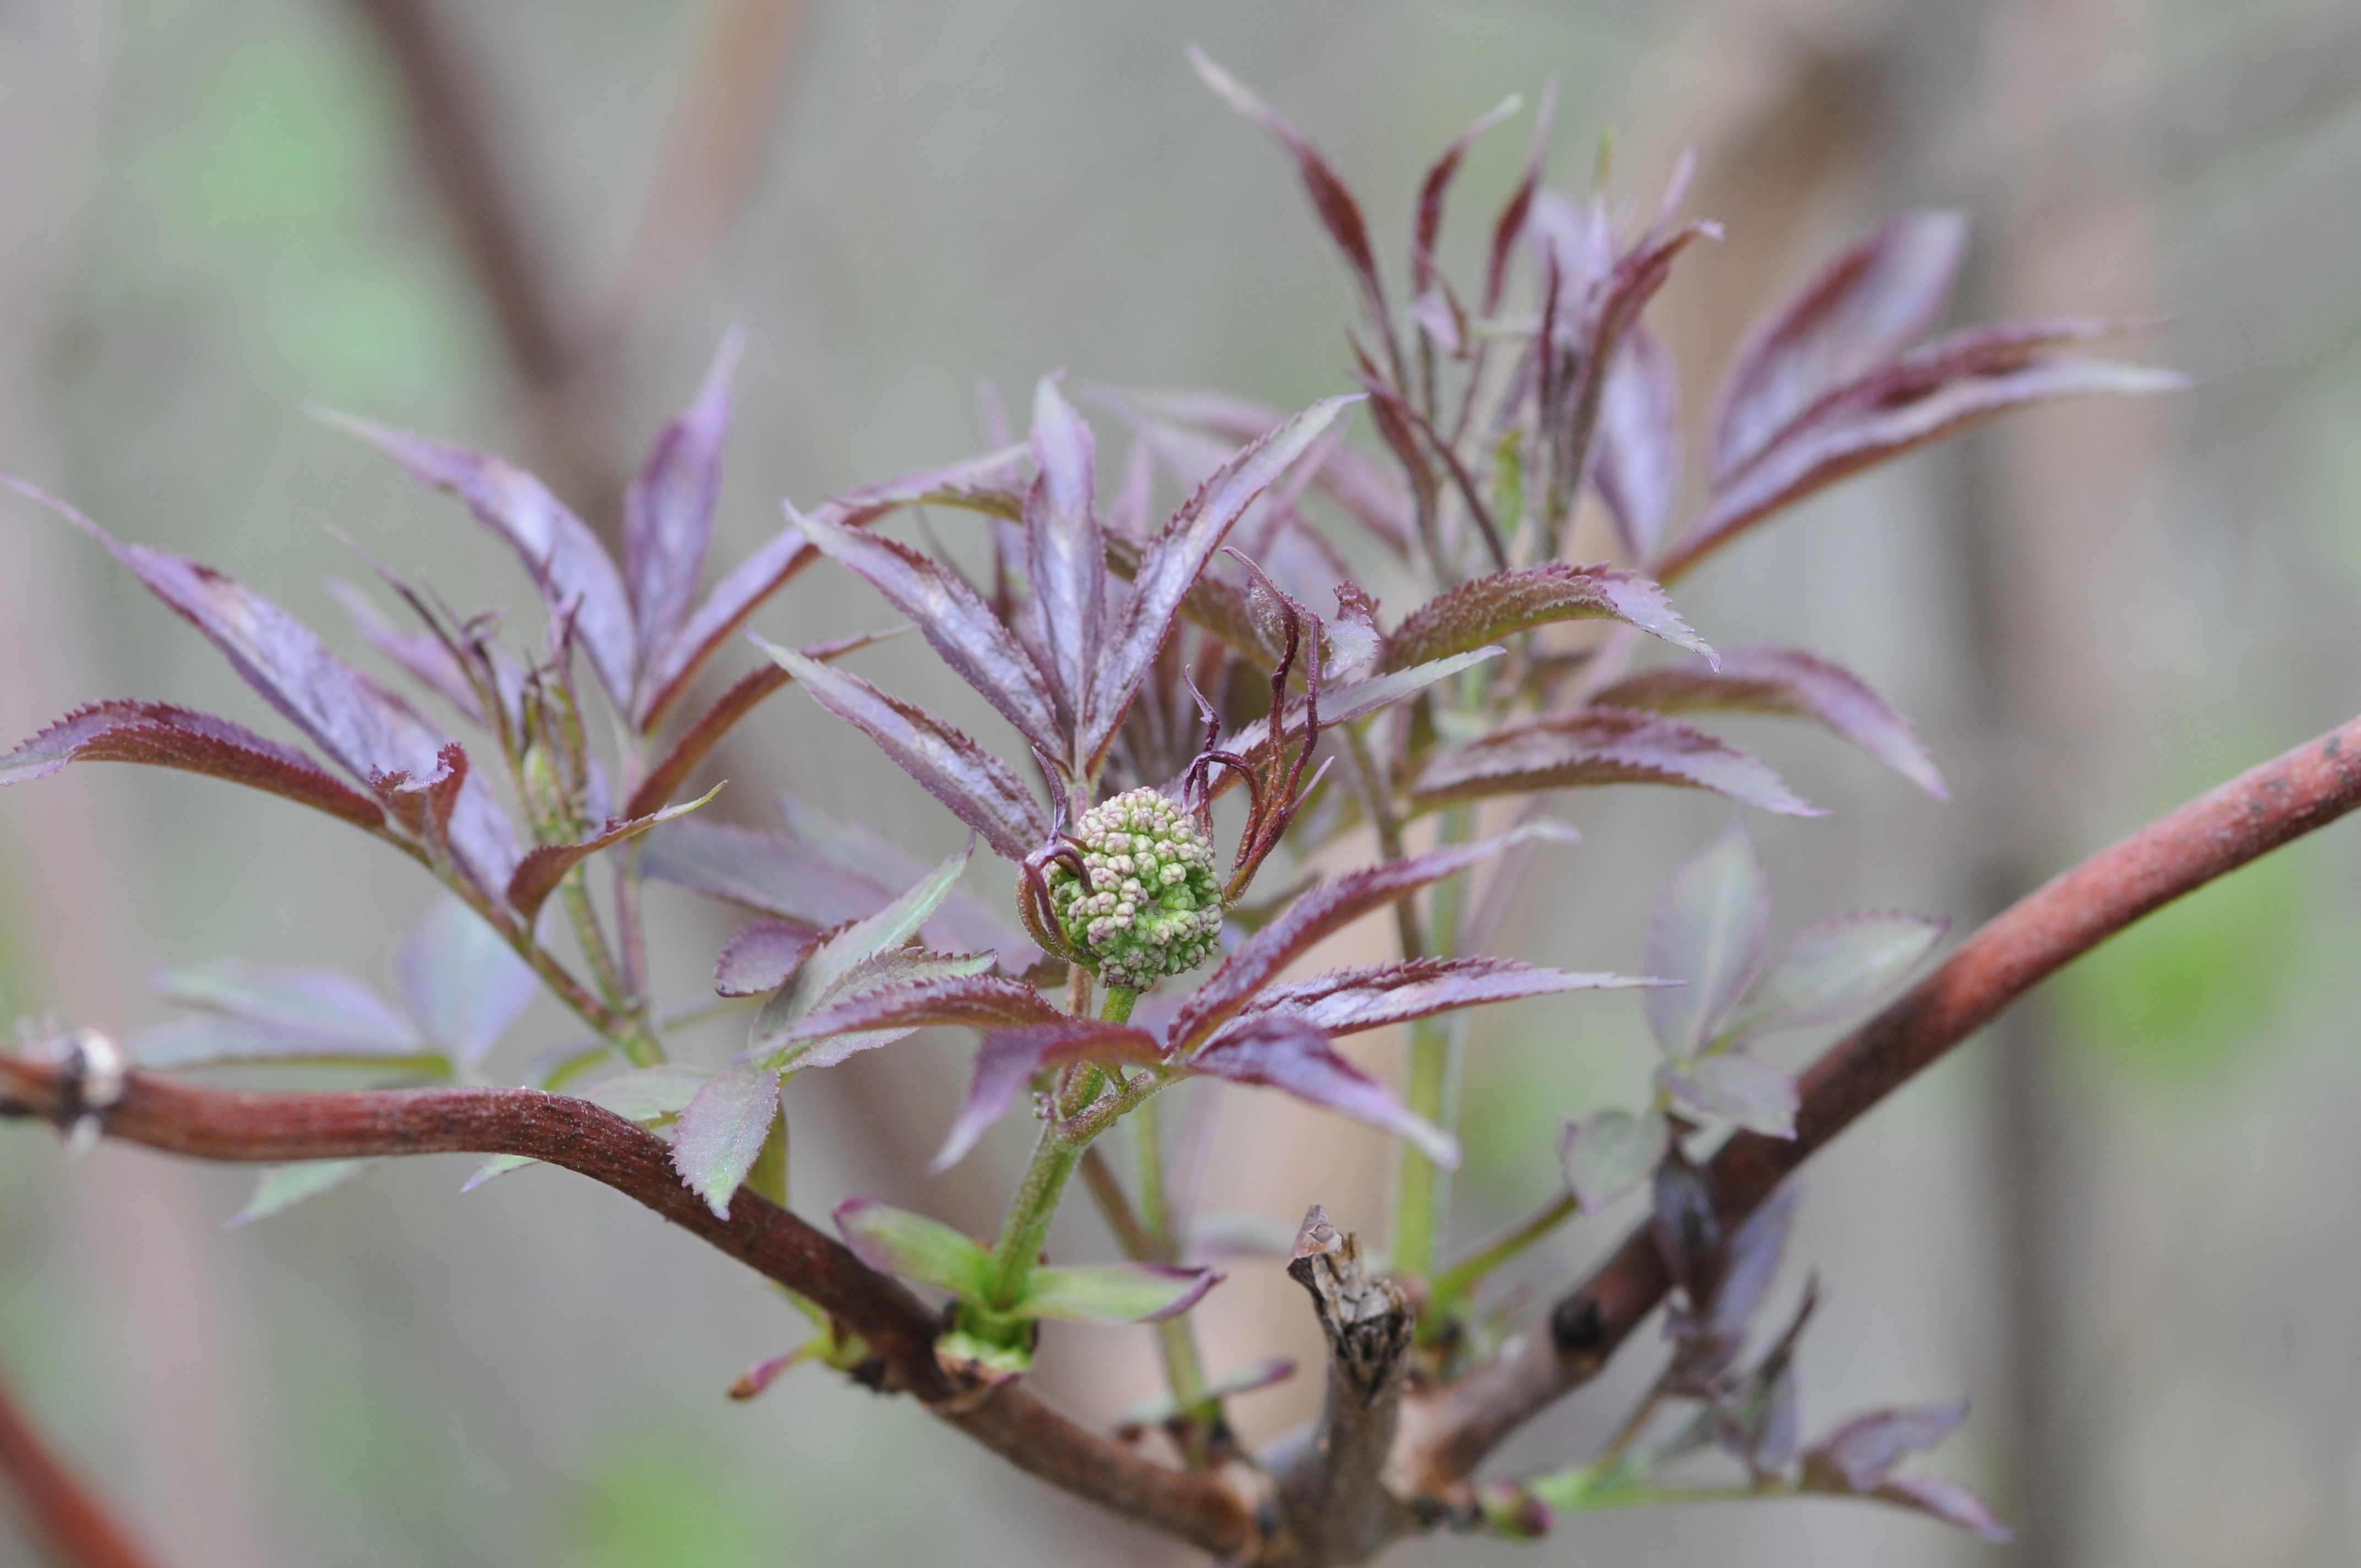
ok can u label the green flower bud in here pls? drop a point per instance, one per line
(1150, 906)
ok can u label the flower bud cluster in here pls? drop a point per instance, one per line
(1151, 907)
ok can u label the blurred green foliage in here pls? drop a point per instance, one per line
(642, 1507)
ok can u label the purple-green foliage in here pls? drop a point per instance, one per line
(1186, 657)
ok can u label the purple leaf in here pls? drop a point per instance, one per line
(761, 956)
(1277, 1051)
(1833, 972)
(162, 736)
(1860, 1455)
(977, 482)
(894, 1241)
(1341, 704)
(363, 727)
(462, 981)
(1344, 1001)
(1639, 469)
(878, 934)
(1854, 436)
(1009, 1060)
(1948, 1501)
(698, 740)
(864, 957)
(1113, 1292)
(281, 1187)
(1509, 228)
(979, 1001)
(759, 872)
(722, 1131)
(668, 512)
(955, 621)
(577, 577)
(979, 789)
(540, 873)
(992, 484)
(1862, 310)
(1751, 1266)
(1428, 224)
(1491, 608)
(1174, 560)
(1784, 681)
(1737, 1086)
(423, 806)
(1710, 929)
(1601, 746)
(1318, 913)
(1594, 304)
(1687, 1230)
(725, 609)
(426, 657)
(962, 922)
(1216, 606)
(1065, 553)
(308, 1011)
(1371, 493)
(1339, 214)
(1608, 1153)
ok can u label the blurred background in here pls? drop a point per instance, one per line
(2122, 1222)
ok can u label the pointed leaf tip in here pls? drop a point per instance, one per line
(1115, 1292)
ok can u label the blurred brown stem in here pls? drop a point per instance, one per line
(243, 1125)
(565, 358)
(65, 1516)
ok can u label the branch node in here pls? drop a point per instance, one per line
(1333, 1494)
(91, 1075)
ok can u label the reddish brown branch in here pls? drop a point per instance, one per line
(64, 1515)
(227, 1125)
(1447, 1433)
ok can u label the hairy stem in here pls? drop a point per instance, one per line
(588, 935)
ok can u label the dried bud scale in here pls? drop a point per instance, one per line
(1148, 905)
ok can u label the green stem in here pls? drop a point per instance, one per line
(1461, 1277)
(1176, 1338)
(584, 917)
(1029, 1213)
(1419, 1191)
(627, 1033)
(1054, 1158)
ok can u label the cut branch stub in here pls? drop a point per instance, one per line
(1332, 1494)
(1367, 1322)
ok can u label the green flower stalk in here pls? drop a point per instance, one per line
(1148, 906)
